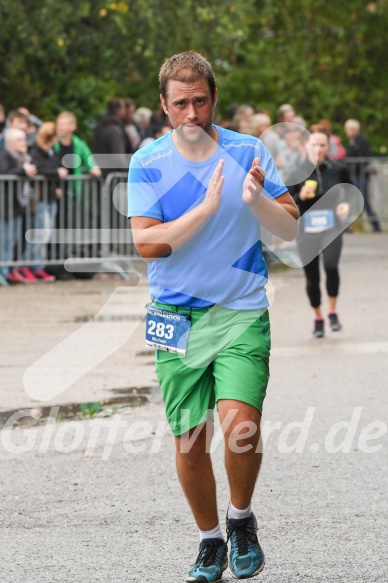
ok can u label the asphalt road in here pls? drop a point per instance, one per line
(98, 500)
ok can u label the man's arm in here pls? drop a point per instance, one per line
(154, 239)
(87, 158)
(279, 216)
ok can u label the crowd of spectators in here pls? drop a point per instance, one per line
(30, 147)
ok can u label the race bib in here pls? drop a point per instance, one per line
(167, 330)
(316, 221)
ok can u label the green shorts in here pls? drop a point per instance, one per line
(227, 358)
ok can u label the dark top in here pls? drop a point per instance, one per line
(327, 174)
(15, 194)
(64, 151)
(358, 147)
(110, 137)
(47, 164)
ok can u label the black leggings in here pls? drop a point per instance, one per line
(331, 255)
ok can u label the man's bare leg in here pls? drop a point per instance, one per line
(242, 460)
(195, 472)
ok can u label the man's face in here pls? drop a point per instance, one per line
(190, 108)
(65, 126)
(262, 128)
(121, 112)
(19, 123)
(293, 139)
(351, 131)
(18, 144)
(129, 112)
(288, 115)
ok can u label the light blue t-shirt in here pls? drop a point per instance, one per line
(223, 262)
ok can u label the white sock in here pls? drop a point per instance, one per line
(215, 532)
(235, 513)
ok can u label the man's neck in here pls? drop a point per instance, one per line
(198, 151)
(66, 140)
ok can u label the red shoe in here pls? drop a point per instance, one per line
(26, 275)
(14, 277)
(43, 276)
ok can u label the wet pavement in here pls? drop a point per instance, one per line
(38, 319)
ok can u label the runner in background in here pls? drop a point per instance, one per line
(316, 231)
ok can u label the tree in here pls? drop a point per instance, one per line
(327, 59)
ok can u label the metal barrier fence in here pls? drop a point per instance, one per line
(370, 175)
(87, 229)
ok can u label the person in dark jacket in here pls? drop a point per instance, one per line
(358, 147)
(15, 198)
(112, 148)
(48, 163)
(321, 228)
(111, 144)
(16, 120)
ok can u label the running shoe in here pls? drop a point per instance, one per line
(26, 275)
(246, 557)
(319, 328)
(14, 277)
(211, 562)
(43, 276)
(334, 322)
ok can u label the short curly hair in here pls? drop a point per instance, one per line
(187, 67)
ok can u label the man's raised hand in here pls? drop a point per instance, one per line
(253, 183)
(213, 195)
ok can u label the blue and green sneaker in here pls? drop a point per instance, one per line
(246, 557)
(211, 562)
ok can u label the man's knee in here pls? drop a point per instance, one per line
(243, 433)
(193, 445)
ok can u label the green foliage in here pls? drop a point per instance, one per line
(327, 59)
(90, 409)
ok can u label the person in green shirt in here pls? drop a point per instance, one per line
(70, 144)
(76, 156)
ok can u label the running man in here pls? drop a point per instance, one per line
(197, 197)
